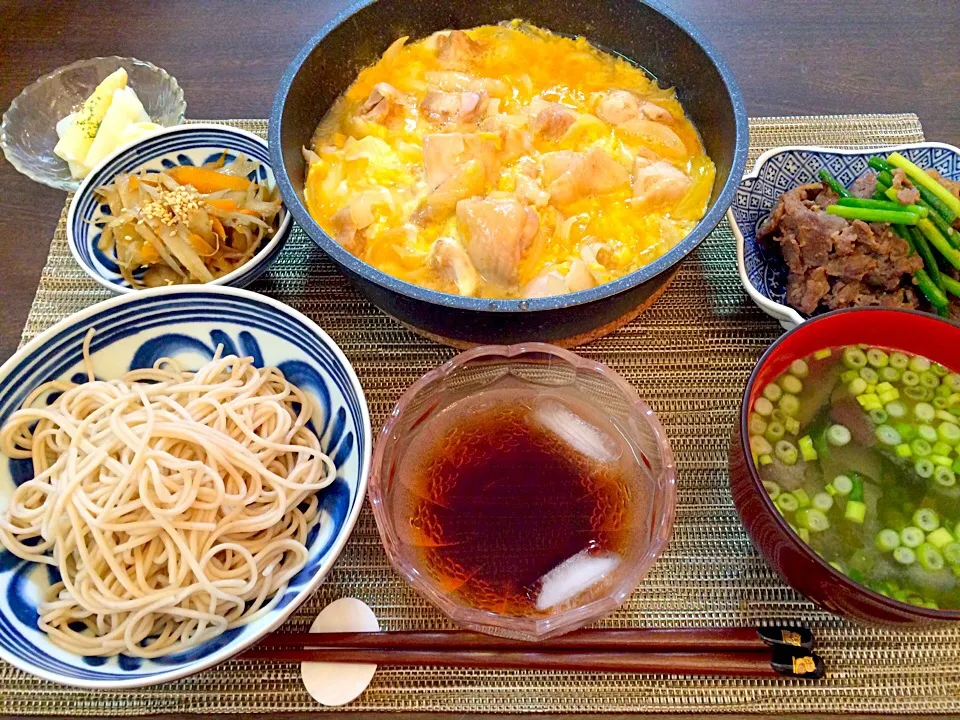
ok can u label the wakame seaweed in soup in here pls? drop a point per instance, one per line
(859, 449)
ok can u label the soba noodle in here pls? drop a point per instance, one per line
(175, 504)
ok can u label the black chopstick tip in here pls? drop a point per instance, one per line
(798, 663)
(787, 636)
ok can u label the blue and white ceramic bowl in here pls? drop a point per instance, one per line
(187, 322)
(181, 145)
(762, 269)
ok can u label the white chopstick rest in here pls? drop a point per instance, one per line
(335, 684)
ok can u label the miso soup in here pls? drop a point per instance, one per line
(859, 449)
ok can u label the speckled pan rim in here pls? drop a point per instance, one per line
(787, 316)
(27, 91)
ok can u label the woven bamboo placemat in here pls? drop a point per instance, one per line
(689, 357)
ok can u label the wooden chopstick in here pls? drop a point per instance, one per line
(735, 639)
(727, 664)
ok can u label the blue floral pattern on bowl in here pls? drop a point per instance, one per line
(762, 269)
(186, 322)
(182, 145)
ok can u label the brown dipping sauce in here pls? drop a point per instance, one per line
(518, 501)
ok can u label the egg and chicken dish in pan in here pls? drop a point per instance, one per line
(506, 162)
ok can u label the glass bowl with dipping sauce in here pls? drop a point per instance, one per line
(523, 490)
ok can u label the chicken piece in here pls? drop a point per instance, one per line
(444, 154)
(662, 139)
(382, 104)
(345, 230)
(658, 183)
(514, 137)
(572, 175)
(496, 233)
(553, 121)
(451, 81)
(450, 259)
(459, 107)
(619, 106)
(552, 282)
(457, 50)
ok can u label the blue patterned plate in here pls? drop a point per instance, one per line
(762, 270)
(187, 322)
(181, 145)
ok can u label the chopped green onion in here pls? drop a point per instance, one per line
(855, 511)
(822, 501)
(903, 450)
(760, 445)
(888, 540)
(857, 386)
(890, 374)
(928, 433)
(800, 368)
(904, 555)
(879, 416)
(854, 358)
(789, 404)
(842, 484)
(801, 495)
(870, 375)
(910, 378)
(772, 488)
(919, 364)
(822, 354)
(923, 467)
(929, 380)
(838, 435)
(806, 449)
(899, 360)
(912, 536)
(786, 451)
(943, 461)
(787, 502)
(920, 447)
(886, 434)
(791, 384)
(792, 425)
(765, 459)
(872, 215)
(940, 537)
(926, 519)
(929, 557)
(813, 519)
(772, 392)
(763, 406)
(924, 412)
(895, 409)
(869, 401)
(949, 433)
(907, 432)
(774, 431)
(951, 552)
(757, 424)
(953, 381)
(803, 533)
(941, 448)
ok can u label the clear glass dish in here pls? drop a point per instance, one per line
(549, 372)
(28, 132)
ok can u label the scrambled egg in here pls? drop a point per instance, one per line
(505, 161)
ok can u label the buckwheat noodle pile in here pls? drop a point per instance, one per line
(175, 504)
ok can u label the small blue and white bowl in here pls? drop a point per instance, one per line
(762, 269)
(187, 322)
(181, 145)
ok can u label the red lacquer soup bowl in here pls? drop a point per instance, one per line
(907, 331)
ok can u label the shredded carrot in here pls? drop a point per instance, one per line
(149, 253)
(225, 204)
(200, 245)
(134, 182)
(206, 180)
(218, 228)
